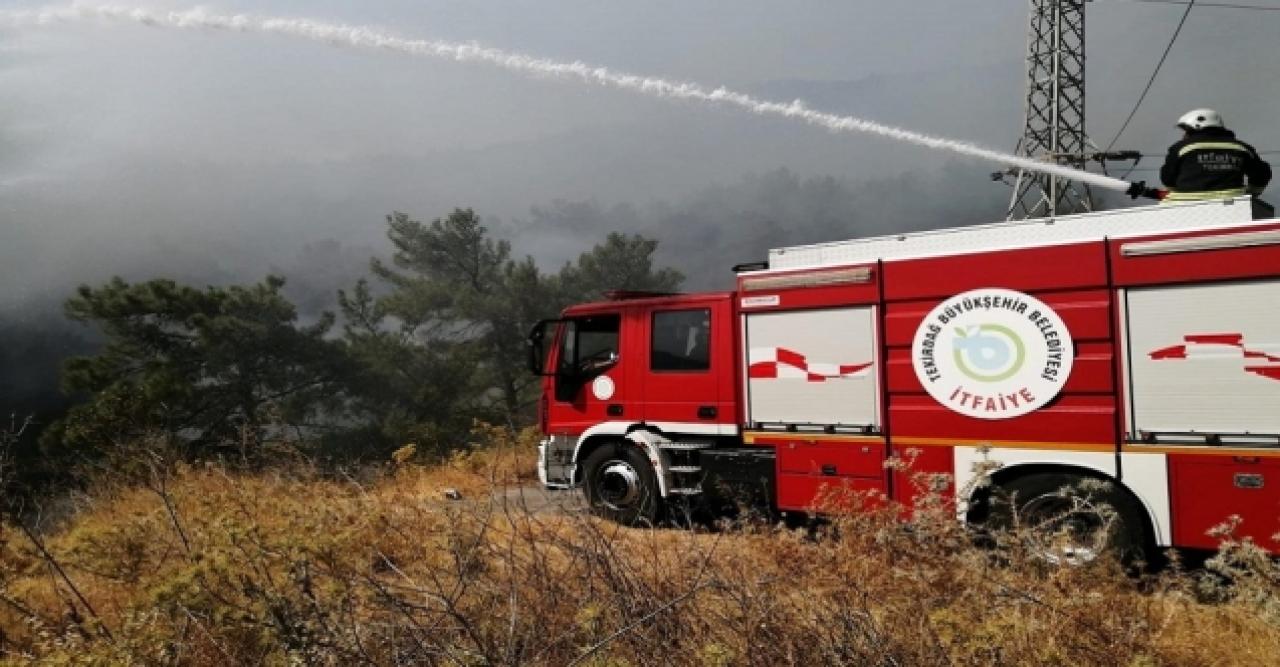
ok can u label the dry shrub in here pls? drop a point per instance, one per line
(292, 566)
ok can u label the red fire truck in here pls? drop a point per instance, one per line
(1139, 347)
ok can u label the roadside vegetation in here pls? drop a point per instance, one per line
(438, 560)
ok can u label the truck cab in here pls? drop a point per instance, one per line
(632, 385)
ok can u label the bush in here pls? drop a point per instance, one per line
(294, 566)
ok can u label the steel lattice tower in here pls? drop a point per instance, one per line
(1054, 129)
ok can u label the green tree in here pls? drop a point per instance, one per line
(413, 380)
(443, 345)
(622, 262)
(215, 368)
(443, 342)
(10, 434)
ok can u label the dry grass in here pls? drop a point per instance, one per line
(213, 568)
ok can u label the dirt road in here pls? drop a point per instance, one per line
(537, 500)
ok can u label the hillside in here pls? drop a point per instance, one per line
(204, 566)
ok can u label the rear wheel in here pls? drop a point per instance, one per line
(1070, 519)
(620, 484)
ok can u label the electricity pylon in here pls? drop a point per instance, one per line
(1054, 129)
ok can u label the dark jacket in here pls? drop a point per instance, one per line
(1213, 163)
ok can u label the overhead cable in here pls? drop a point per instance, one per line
(1191, 4)
(1218, 5)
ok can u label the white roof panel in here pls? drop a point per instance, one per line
(1130, 222)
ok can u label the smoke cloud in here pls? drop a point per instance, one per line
(363, 37)
(213, 158)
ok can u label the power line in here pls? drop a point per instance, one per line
(1152, 80)
(1219, 5)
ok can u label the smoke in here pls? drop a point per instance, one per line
(367, 38)
(743, 219)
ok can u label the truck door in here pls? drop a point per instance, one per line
(1204, 384)
(688, 370)
(813, 391)
(1202, 379)
(593, 382)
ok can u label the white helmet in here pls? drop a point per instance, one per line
(1198, 119)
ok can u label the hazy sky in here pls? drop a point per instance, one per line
(214, 156)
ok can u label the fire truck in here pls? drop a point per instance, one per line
(1139, 347)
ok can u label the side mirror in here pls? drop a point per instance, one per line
(539, 346)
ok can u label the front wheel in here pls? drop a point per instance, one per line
(620, 484)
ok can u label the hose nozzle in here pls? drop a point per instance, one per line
(1140, 189)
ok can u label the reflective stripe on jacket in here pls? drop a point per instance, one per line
(1175, 196)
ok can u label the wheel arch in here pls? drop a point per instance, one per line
(624, 432)
(978, 505)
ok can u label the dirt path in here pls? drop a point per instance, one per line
(538, 500)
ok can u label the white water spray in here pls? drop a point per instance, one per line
(368, 38)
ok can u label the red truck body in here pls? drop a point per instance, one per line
(1141, 347)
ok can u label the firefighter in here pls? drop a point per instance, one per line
(1210, 163)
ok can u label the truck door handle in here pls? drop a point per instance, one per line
(828, 469)
(707, 412)
(614, 410)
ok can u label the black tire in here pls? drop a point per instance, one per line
(1046, 506)
(620, 484)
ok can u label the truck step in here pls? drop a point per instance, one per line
(686, 446)
(685, 491)
(687, 469)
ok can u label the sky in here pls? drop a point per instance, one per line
(215, 157)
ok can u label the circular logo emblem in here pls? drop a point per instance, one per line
(993, 353)
(603, 388)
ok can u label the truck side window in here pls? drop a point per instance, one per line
(681, 340)
(589, 344)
